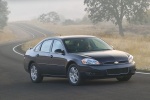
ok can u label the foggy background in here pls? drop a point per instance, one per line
(73, 20)
(31, 9)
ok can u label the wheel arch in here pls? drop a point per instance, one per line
(68, 64)
(29, 65)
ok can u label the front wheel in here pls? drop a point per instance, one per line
(124, 78)
(35, 74)
(74, 75)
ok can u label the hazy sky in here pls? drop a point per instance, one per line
(30, 9)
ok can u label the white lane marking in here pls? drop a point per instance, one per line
(33, 36)
(35, 30)
(14, 49)
(21, 28)
(143, 73)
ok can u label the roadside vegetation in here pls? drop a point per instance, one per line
(6, 35)
(116, 11)
(30, 44)
(5, 32)
(3, 14)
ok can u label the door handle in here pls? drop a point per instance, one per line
(37, 55)
(51, 56)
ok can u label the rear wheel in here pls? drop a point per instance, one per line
(124, 78)
(35, 74)
(74, 75)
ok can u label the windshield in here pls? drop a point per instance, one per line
(75, 45)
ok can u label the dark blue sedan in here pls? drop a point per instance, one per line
(77, 58)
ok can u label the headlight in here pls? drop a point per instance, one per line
(90, 61)
(130, 58)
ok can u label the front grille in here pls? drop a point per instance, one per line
(117, 71)
(122, 62)
(112, 62)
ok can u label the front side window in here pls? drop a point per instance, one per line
(57, 45)
(46, 46)
(75, 45)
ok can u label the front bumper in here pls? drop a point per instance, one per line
(107, 71)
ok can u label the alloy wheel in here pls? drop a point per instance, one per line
(74, 75)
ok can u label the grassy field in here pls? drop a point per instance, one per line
(6, 35)
(135, 44)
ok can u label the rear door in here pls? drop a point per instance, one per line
(43, 58)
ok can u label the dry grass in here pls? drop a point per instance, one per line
(137, 45)
(6, 35)
(30, 44)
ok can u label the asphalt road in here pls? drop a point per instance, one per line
(15, 83)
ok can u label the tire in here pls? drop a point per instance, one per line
(35, 75)
(74, 76)
(124, 78)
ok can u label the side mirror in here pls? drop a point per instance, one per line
(60, 51)
(30, 48)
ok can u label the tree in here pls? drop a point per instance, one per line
(41, 18)
(51, 17)
(69, 22)
(3, 14)
(145, 22)
(85, 20)
(116, 10)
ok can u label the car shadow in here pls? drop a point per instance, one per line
(95, 82)
(102, 82)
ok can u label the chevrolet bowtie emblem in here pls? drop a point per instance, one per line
(116, 62)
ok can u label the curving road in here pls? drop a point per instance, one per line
(15, 83)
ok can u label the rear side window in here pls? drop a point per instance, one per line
(46, 46)
(37, 48)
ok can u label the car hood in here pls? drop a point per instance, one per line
(108, 56)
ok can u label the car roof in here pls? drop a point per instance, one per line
(71, 36)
